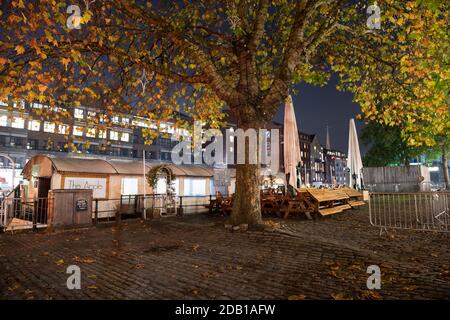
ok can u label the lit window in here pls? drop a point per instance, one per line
(3, 103)
(102, 134)
(170, 129)
(92, 114)
(34, 125)
(153, 126)
(90, 132)
(20, 105)
(125, 121)
(114, 135)
(140, 123)
(36, 105)
(4, 121)
(194, 187)
(77, 131)
(116, 119)
(125, 137)
(18, 122)
(49, 127)
(79, 113)
(129, 186)
(63, 129)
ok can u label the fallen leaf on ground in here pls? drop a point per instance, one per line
(339, 296)
(410, 288)
(84, 260)
(14, 287)
(297, 297)
(59, 262)
(370, 295)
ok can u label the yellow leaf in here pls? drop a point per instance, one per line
(42, 88)
(20, 49)
(59, 262)
(65, 62)
(297, 297)
(339, 296)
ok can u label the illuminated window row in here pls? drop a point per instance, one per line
(50, 127)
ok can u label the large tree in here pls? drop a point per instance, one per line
(386, 146)
(408, 90)
(196, 56)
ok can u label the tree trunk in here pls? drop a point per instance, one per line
(246, 202)
(445, 167)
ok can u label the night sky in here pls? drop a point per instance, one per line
(315, 107)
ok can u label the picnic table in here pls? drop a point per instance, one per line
(356, 197)
(221, 204)
(307, 201)
(327, 201)
(300, 204)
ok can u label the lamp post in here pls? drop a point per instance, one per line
(145, 183)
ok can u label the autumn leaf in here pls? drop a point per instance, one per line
(370, 295)
(297, 297)
(28, 291)
(86, 260)
(65, 62)
(42, 88)
(20, 49)
(410, 288)
(339, 296)
(59, 262)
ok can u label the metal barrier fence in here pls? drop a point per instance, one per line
(18, 213)
(424, 211)
(105, 210)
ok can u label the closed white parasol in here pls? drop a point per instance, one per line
(291, 143)
(354, 162)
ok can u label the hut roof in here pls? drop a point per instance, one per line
(100, 166)
(82, 165)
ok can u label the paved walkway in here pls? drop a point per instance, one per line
(196, 258)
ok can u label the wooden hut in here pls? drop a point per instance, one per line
(112, 181)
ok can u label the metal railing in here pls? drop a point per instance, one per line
(161, 204)
(425, 211)
(18, 213)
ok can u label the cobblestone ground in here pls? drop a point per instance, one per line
(196, 258)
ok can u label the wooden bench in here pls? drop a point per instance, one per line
(333, 210)
(356, 197)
